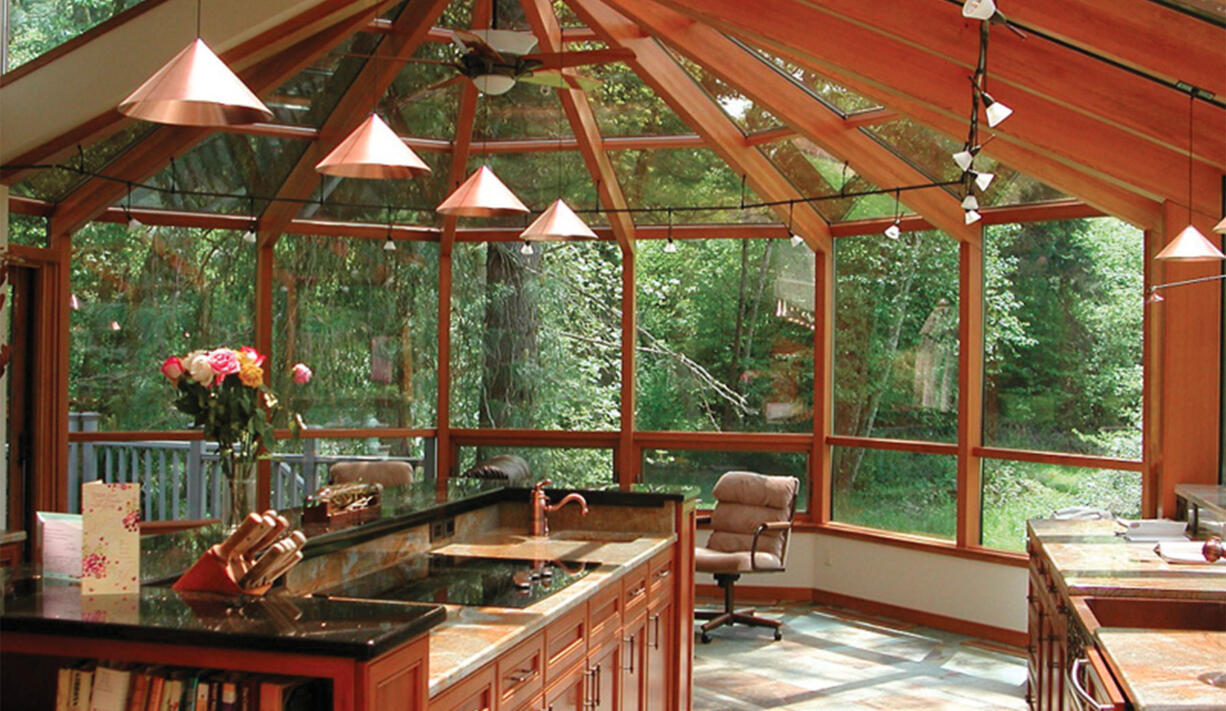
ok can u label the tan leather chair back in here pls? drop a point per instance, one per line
(745, 500)
(385, 472)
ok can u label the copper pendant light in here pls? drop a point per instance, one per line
(559, 223)
(482, 195)
(1190, 246)
(373, 150)
(195, 89)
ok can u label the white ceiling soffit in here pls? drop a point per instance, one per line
(94, 77)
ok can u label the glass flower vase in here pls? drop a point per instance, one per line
(240, 479)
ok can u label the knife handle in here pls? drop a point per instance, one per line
(246, 529)
(276, 526)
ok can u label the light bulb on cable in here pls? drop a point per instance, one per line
(797, 240)
(134, 223)
(249, 236)
(995, 111)
(894, 231)
(670, 247)
(982, 180)
(970, 202)
(972, 216)
(526, 249)
(965, 158)
(389, 245)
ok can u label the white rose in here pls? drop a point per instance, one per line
(197, 366)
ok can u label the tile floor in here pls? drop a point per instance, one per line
(837, 659)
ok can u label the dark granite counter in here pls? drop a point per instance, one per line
(279, 623)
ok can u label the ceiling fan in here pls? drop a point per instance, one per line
(495, 60)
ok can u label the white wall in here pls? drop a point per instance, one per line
(972, 590)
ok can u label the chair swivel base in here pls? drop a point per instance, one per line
(729, 616)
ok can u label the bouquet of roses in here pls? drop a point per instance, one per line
(223, 390)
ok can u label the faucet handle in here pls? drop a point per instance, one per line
(540, 485)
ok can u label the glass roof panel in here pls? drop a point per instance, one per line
(308, 98)
(625, 106)
(224, 163)
(54, 183)
(835, 95)
(1211, 10)
(748, 116)
(810, 169)
(526, 111)
(677, 177)
(411, 107)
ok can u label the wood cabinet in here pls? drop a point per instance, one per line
(604, 686)
(634, 664)
(569, 692)
(1065, 671)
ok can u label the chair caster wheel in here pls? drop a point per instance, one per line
(778, 635)
(706, 638)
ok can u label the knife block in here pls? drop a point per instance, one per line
(211, 574)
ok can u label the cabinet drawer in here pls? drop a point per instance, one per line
(475, 693)
(521, 672)
(604, 613)
(1090, 686)
(634, 591)
(565, 642)
(536, 703)
(660, 573)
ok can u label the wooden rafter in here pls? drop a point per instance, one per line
(582, 120)
(799, 110)
(465, 119)
(899, 69)
(671, 83)
(154, 152)
(1108, 94)
(353, 106)
(1141, 34)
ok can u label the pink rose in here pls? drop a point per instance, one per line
(172, 368)
(224, 362)
(302, 374)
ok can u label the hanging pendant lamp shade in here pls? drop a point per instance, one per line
(482, 195)
(373, 150)
(559, 223)
(195, 89)
(1190, 246)
(1220, 227)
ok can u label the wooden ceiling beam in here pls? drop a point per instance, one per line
(869, 117)
(1069, 79)
(544, 24)
(1039, 126)
(445, 34)
(672, 84)
(1141, 34)
(465, 119)
(153, 153)
(794, 106)
(410, 29)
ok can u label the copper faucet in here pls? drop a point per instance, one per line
(541, 508)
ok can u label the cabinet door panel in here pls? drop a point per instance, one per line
(569, 693)
(604, 669)
(634, 665)
(659, 655)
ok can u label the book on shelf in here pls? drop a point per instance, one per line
(107, 686)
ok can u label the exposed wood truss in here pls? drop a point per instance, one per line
(687, 99)
(583, 124)
(354, 105)
(799, 110)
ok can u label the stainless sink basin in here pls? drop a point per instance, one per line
(597, 536)
(1142, 613)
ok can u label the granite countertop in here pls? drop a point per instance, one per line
(1087, 558)
(304, 625)
(1168, 670)
(472, 636)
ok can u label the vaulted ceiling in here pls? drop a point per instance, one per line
(723, 100)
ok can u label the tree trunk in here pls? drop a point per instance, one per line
(511, 331)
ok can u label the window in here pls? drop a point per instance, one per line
(1016, 491)
(725, 340)
(536, 339)
(896, 337)
(566, 467)
(702, 468)
(1062, 358)
(140, 296)
(365, 320)
(906, 492)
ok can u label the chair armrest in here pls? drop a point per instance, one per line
(772, 526)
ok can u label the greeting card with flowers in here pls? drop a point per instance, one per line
(223, 390)
(110, 538)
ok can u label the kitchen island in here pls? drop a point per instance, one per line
(618, 637)
(1113, 626)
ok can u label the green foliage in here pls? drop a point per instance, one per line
(40, 25)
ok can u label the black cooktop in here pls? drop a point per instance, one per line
(464, 580)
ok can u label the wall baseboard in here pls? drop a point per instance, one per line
(760, 593)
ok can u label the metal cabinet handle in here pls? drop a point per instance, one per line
(630, 640)
(638, 591)
(519, 676)
(593, 694)
(655, 621)
(1072, 676)
(660, 575)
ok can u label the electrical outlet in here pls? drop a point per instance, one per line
(444, 528)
